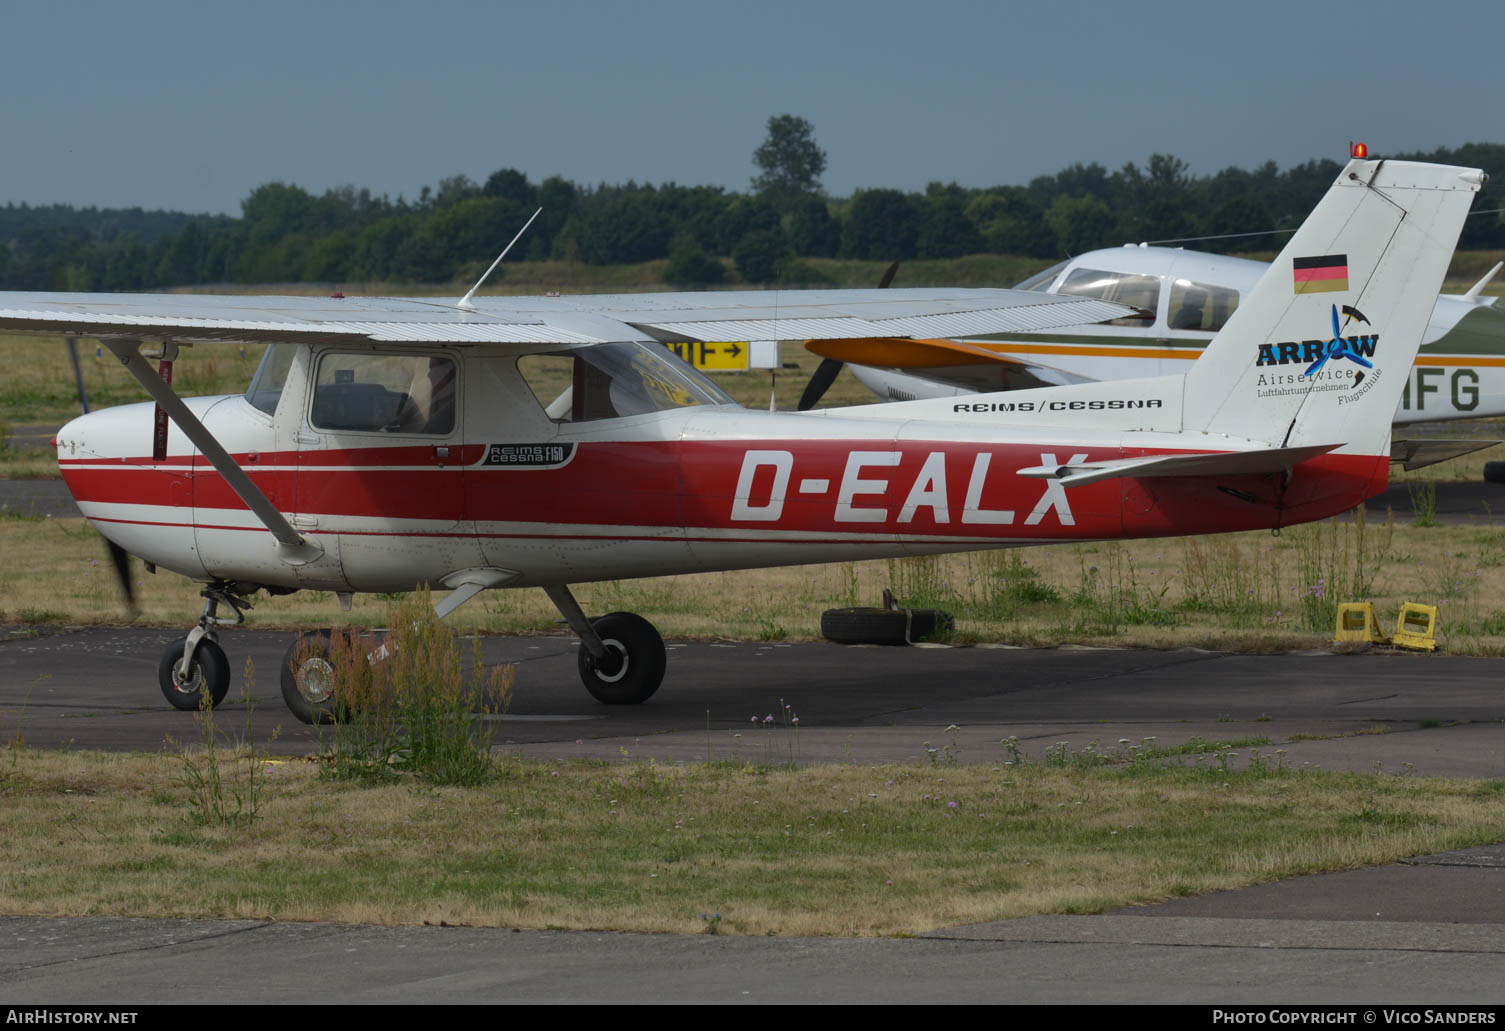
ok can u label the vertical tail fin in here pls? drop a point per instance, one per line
(1319, 351)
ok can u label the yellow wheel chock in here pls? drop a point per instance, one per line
(1357, 622)
(1416, 627)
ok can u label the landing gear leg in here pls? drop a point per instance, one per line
(197, 665)
(621, 655)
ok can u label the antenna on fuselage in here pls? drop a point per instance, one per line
(465, 303)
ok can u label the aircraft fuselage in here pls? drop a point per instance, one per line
(691, 489)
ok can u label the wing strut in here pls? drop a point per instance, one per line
(294, 548)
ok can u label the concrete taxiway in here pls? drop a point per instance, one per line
(1432, 929)
(1427, 714)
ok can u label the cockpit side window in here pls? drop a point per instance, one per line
(266, 386)
(613, 381)
(378, 392)
(1198, 306)
(1136, 291)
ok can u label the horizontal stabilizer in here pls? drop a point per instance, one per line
(1418, 454)
(1474, 291)
(1234, 463)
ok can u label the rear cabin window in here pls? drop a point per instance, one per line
(385, 393)
(1136, 291)
(1198, 306)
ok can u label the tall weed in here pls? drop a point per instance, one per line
(1000, 583)
(1218, 577)
(921, 582)
(406, 705)
(1110, 596)
(1338, 561)
(225, 792)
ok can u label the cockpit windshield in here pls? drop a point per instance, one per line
(1041, 281)
(612, 381)
(266, 386)
(1141, 292)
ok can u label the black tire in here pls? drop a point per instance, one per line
(210, 672)
(1494, 472)
(639, 656)
(308, 679)
(884, 626)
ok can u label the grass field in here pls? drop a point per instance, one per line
(1248, 592)
(743, 849)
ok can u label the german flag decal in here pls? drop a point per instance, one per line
(1321, 275)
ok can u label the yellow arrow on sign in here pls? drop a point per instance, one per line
(712, 356)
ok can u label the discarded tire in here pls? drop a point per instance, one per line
(1494, 472)
(884, 626)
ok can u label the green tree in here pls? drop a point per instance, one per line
(690, 265)
(881, 226)
(1081, 223)
(741, 218)
(791, 164)
(762, 255)
(812, 230)
(944, 230)
(1012, 223)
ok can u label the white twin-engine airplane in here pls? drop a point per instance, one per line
(514, 442)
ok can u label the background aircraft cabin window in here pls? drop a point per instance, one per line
(1135, 291)
(1199, 306)
(385, 393)
(1041, 280)
(271, 374)
(611, 381)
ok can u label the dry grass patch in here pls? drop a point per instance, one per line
(1238, 592)
(823, 850)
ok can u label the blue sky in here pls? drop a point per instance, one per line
(191, 105)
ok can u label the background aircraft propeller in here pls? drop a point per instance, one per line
(119, 557)
(829, 368)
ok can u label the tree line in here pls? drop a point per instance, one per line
(286, 234)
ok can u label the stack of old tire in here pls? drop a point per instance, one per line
(890, 624)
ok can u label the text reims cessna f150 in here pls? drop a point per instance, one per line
(385, 444)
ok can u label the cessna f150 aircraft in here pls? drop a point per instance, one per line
(512, 442)
(1181, 299)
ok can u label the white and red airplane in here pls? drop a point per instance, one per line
(511, 442)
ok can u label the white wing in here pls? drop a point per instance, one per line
(562, 321)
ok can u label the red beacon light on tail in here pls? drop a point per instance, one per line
(1358, 150)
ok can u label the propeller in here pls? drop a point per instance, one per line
(829, 368)
(119, 557)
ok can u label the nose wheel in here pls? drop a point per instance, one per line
(196, 666)
(184, 684)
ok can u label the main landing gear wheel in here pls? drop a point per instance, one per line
(633, 666)
(185, 688)
(308, 679)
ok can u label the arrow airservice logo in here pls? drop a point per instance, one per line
(1353, 348)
